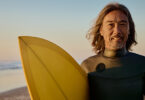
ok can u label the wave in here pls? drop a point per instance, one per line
(10, 65)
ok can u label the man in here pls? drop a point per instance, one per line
(114, 73)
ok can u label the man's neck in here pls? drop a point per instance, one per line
(115, 53)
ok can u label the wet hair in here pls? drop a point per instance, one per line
(94, 35)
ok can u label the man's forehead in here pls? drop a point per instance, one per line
(115, 16)
(111, 21)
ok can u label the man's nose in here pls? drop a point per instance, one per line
(117, 29)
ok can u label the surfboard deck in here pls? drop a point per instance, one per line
(50, 72)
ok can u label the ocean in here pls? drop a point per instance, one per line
(10, 65)
(11, 75)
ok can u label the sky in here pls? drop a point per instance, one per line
(64, 22)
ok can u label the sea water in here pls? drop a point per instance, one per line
(11, 75)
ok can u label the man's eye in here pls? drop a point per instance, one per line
(110, 24)
(122, 23)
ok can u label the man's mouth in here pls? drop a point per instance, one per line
(117, 38)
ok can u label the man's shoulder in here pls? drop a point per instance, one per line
(90, 59)
(88, 64)
(137, 56)
(137, 62)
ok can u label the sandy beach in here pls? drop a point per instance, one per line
(15, 94)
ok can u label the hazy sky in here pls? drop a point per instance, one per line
(64, 22)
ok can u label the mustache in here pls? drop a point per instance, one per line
(117, 36)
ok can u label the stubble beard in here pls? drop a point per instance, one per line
(117, 45)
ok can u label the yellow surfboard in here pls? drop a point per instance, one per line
(50, 72)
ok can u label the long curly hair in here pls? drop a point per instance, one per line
(94, 35)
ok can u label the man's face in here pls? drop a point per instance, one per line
(115, 30)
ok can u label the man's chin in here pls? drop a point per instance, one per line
(117, 47)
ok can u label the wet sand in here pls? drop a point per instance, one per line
(15, 94)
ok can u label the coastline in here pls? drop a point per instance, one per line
(20, 93)
(11, 79)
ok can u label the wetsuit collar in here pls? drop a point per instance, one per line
(115, 53)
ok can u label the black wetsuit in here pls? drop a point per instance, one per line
(124, 80)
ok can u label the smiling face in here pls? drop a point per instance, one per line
(115, 30)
